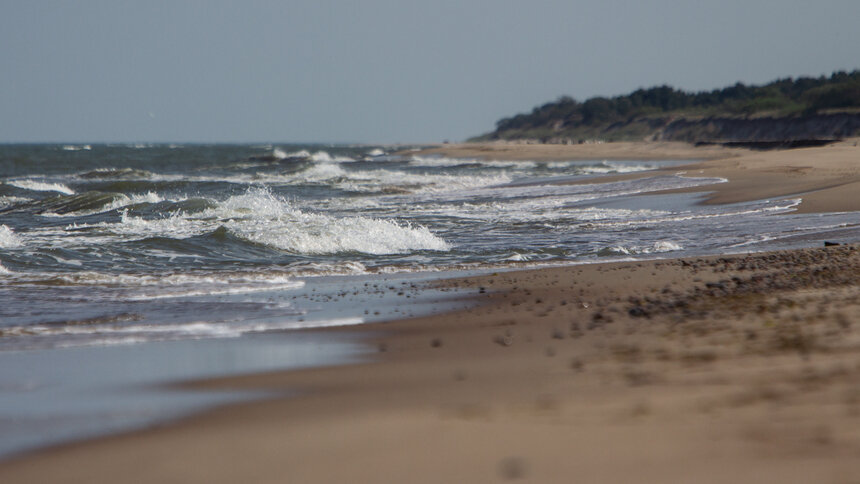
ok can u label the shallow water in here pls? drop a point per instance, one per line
(150, 240)
(142, 246)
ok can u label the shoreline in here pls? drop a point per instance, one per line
(620, 150)
(717, 368)
(743, 366)
(825, 177)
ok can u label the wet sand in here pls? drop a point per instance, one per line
(826, 178)
(659, 150)
(739, 368)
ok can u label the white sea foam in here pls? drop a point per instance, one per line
(325, 157)
(142, 287)
(297, 154)
(575, 167)
(321, 172)
(606, 167)
(77, 148)
(39, 186)
(262, 218)
(332, 174)
(655, 248)
(375, 152)
(665, 246)
(319, 156)
(273, 222)
(176, 279)
(571, 193)
(8, 238)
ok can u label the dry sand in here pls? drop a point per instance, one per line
(722, 369)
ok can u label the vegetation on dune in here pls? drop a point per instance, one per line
(647, 112)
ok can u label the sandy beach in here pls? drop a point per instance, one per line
(825, 177)
(735, 368)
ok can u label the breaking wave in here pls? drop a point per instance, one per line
(262, 218)
(38, 186)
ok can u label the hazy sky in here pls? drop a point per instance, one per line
(379, 70)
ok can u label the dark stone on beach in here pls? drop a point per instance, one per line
(436, 343)
(831, 244)
(715, 285)
(504, 340)
(638, 312)
(513, 468)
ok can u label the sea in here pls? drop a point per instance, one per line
(125, 268)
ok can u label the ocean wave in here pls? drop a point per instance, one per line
(571, 192)
(655, 248)
(119, 201)
(609, 167)
(750, 208)
(39, 186)
(318, 156)
(7, 201)
(76, 147)
(91, 203)
(280, 154)
(570, 167)
(144, 287)
(116, 173)
(341, 268)
(325, 157)
(262, 218)
(387, 181)
(109, 333)
(273, 222)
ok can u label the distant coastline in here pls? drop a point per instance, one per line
(798, 111)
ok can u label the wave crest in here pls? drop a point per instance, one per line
(39, 186)
(262, 218)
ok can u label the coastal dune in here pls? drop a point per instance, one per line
(734, 368)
